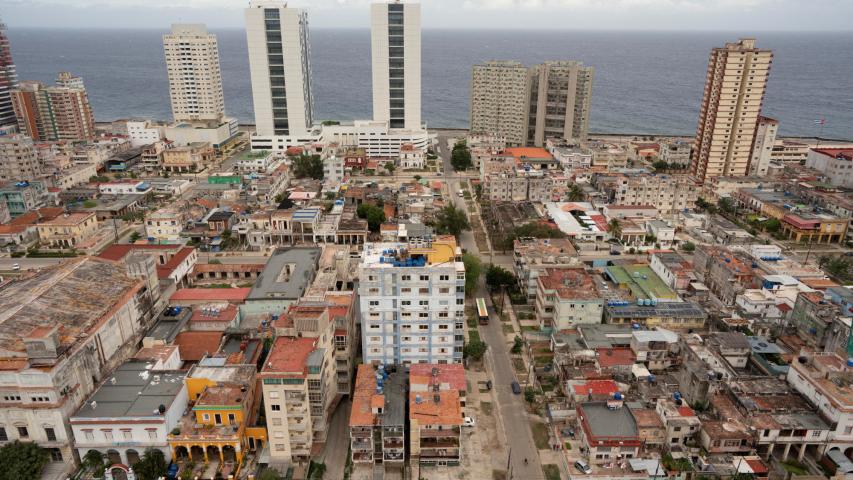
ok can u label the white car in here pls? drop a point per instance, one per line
(460, 194)
(468, 422)
(16, 266)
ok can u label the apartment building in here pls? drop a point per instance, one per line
(500, 101)
(377, 423)
(191, 158)
(533, 256)
(560, 96)
(412, 301)
(67, 231)
(567, 297)
(395, 51)
(435, 428)
(669, 194)
(143, 133)
(53, 112)
(279, 56)
(293, 374)
(164, 225)
(61, 330)
(835, 163)
(731, 106)
(195, 81)
(762, 147)
(18, 159)
(8, 81)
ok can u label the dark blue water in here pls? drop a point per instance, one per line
(644, 82)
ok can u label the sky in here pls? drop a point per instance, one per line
(717, 15)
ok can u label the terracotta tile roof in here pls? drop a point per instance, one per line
(528, 152)
(447, 411)
(756, 465)
(686, 411)
(194, 345)
(117, 252)
(451, 374)
(221, 395)
(289, 355)
(163, 271)
(362, 400)
(224, 315)
(236, 295)
(614, 357)
(598, 387)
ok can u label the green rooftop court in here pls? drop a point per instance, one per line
(642, 281)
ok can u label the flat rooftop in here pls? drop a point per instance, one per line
(604, 422)
(75, 296)
(290, 355)
(664, 309)
(287, 274)
(133, 390)
(642, 281)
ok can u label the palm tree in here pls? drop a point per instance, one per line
(615, 228)
(575, 193)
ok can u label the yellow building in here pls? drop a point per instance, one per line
(68, 230)
(190, 158)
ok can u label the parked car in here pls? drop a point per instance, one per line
(468, 422)
(16, 266)
(516, 388)
(583, 467)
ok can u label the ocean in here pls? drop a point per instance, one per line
(645, 82)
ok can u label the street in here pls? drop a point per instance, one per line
(512, 413)
(28, 263)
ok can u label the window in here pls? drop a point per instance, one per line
(374, 303)
(205, 417)
(423, 327)
(276, 422)
(3, 436)
(406, 278)
(275, 407)
(444, 278)
(232, 419)
(108, 434)
(424, 278)
(152, 433)
(423, 303)
(126, 433)
(280, 447)
(89, 434)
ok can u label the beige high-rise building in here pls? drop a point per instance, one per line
(560, 95)
(728, 119)
(499, 101)
(195, 81)
(18, 159)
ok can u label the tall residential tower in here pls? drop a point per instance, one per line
(500, 98)
(395, 40)
(195, 81)
(731, 106)
(54, 112)
(560, 95)
(280, 67)
(8, 81)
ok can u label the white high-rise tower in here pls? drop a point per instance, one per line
(195, 81)
(395, 33)
(280, 67)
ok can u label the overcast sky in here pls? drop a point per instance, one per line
(741, 15)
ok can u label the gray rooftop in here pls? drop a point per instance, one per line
(764, 345)
(603, 335)
(662, 309)
(802, 420)
(604, 422)
(133, 390)
(286, 275)
(396, 399)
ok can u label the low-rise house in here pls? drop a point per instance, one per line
(131, 411)
(435, 428)
(680, 421)
(425, 378)
(164, 225)
(411, 157)
(377, 424)
(656, 349)
(533, 256)
(567, 297)
(190, 158)
(680, 316)
(650, 427)
(673, 269)
(608, 432)
(68, 230)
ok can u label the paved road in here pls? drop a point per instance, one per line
(511, 409)
(29, 263)
(337, 441)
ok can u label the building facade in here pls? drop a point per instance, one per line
(18, 159)
(412, 302)
(55, 112)
(762, 147)
(280, 67)
(731, 105)
(500, 101)
(395, 49)
(8, 81)
(195, 82)
(560, 95)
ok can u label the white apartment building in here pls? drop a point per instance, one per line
(280, 68)
(122, 426)
(376, 138)
(411, 157)
(762, 148)
(143, 133)
(412, 302)
(333, 169)
(500, 100)
(195, 81)
(164, 226)
(395, 48)
(728, 118)
(18, 159)
(835, 163)
(669, 194)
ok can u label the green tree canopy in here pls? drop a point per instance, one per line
(473, 268)
(374, 215)
(615, 228)
(22, 460)
(390, 167)
(576, 193)
(688, 246)
(475, 348)
(460, 157)
(308, 166)
(497, 276)
(151, 466)
(451, 220)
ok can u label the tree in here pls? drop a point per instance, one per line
(270, 474)
(90, 204)
(475, 349)
(615, 228)
(529, 394)
(151, 466)
(94, 461)
(417, 178)
(576, 193)
(726, 205)
(497, 277)
(516, 345)
(134, 237)
(451, 220)
(460, 157)
(660, 165)
(772, 225)
(472, 272)
(308, 166)
(22, 460)
(374, 215)
(688, 246)
(839, 268)
(390, 167)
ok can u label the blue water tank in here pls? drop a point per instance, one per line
(617, 396)
(677, 395)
